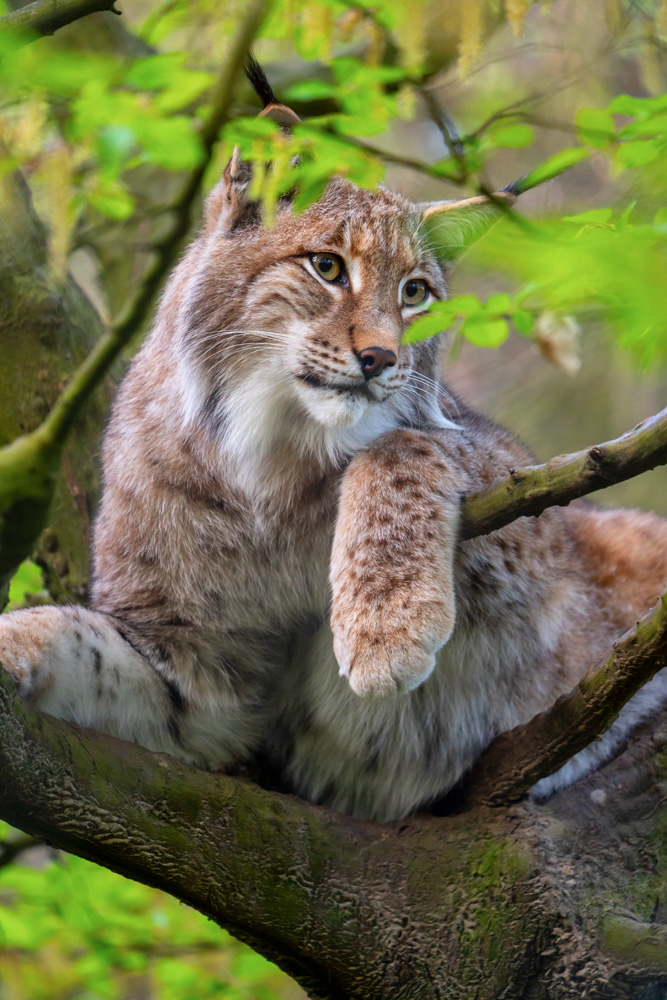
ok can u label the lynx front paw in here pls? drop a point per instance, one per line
(398, 657)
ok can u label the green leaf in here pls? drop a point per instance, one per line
(485, 332)
(595, 126)
(309, 90)
(595, 216)
(113, 201)
(155, 72)
(169, 142)
(28, 579)
(427, 325)
(624, 104)
(654, 125)
(523, 321)
(498, 304)
(637, 154)
(514, 136)
(551, 168)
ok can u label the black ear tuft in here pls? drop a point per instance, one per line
(259, 83)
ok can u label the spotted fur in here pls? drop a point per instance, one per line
(276, 567)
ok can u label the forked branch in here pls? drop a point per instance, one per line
(516, 760)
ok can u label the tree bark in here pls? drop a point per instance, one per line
(47, 328)
(521, 902)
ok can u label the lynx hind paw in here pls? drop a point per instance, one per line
(25, 638)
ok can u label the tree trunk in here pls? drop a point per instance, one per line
(47, 328)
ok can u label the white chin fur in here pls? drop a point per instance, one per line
(331, 408)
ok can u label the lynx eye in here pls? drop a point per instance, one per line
(328, 265)
(414, 292)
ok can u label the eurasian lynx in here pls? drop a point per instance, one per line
(276, 565)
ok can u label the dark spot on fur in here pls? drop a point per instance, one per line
(125, 637)
(77, 636)
(174, 729)
(372, 761)
(97, 661)
(175, 695)
(212, 413)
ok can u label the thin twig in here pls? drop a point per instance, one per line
(516, 760)
(531, 490)
(45, 17)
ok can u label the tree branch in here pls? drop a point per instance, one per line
(516, 760)
(58, 424)
(45, 17)
(414, 910)
(531, 490)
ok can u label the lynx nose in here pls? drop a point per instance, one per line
(374, 360)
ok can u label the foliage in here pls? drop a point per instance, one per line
(71, 929)
(26, 586)
(84, 123)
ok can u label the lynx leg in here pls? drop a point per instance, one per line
(392, 564)
(78, 665)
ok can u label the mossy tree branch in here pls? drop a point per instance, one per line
(45, 17)
(516, 760)
(531, 490)
(418, 910)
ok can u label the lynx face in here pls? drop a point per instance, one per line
(298, 328)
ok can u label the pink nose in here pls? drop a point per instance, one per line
(374, 360)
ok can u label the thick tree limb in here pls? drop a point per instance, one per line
(45, 17)
(425, 909)
(516, 760)
(531, 490)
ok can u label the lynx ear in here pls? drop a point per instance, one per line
(453, 226)
(227, 201)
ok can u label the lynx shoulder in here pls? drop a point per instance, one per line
(276, 564)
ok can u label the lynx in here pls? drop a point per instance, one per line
(276, 567)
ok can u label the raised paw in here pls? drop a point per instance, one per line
(392, 564)
(388, 649)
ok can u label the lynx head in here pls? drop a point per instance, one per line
(296, 331)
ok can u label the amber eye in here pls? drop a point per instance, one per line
(328, 265)
(414, 292)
